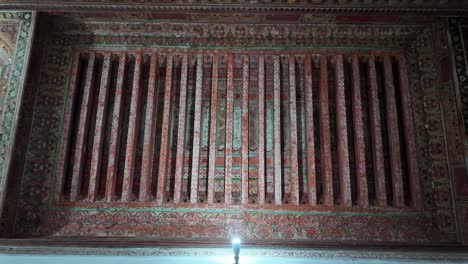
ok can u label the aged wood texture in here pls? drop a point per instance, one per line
(66, 130)
(311, 175)
(359, 143)
(277, 132)
(181, 131)
(261, 130)
(132, 136)
(415, 196)
(342, 134)
(150, 130)
(196, 131)
(80, 148)
(99, 129)
(245, 131)
(164, 152)
(229, 128)
(432, 223)
(116, 131)
(376, 133)
(393, 135)
(294, 178)
(325, 148)
(213, 124)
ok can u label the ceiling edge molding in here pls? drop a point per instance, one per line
(370, 6)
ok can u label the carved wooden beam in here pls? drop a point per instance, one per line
(386, 6)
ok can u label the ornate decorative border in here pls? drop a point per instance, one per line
(388, 6)
(245, 252)
(436, 224)
(14, 91)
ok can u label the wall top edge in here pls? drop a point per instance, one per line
(370, 6)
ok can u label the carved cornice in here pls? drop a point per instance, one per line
(369, 6)
(252, 252)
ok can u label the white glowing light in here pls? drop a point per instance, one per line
(236, 241)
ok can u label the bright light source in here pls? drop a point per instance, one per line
(236, 247)
(236, 241)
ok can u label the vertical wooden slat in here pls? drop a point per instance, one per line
(408, 128)
(376, 135)
(196, 131)
(114, 146)
(245, 131)
(229, 124)
(342, 134)
(277, 130)
(65, 142)
(393, 135)
(325, 137)
(294, 180)
(312, 185)
(261, 130)
(132, 135)
(150, 128)
(359, 143)
(99, 129)
(164, 152)
(83, 128)
(180, 157)
(213, 124)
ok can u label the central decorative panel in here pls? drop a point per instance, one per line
(296, 129)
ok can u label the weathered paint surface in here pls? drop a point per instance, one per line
(277, 132)
(229, 128)
(359, 143)
(83, 129)
(116, 131)
(376, 132)
(213, 125)
(196, 131)
(132, 136)
(65, 143)
(164, 153)
(99, 128)
(342, 131)
(393, 135)
(311, 173)
(150, 131)
(294, 178)
(325, 148)
(181, 131)
(265, 90)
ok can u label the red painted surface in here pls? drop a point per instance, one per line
(311, 172)
(245, 131)
(150, 129)
(409, 133)
(130, 153)
(213, 124)
(181, 131)
(393, 135)
(66, 130)
(84, 109)
(163, 155)
(226, 155)
(366, 19)
(376, 131)
(325, 148)
(342, 131)
(277, 133)
(461, 183)
(359, 144)
(116, 131)
(261, 191)
(99, 128)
